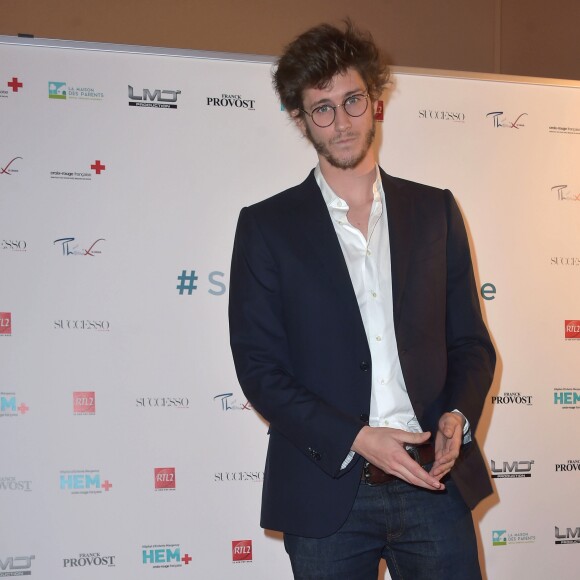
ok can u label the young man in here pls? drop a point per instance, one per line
(357, 333)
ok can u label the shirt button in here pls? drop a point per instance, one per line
(374, 294)
(368, 252)
(378, 338)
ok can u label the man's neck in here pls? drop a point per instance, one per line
(355, 185)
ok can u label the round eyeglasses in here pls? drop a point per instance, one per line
(354, 106)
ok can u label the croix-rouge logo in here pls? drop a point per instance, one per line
(241, 550)
(164, 478)
(501, 121)
(15, 84)
(84, 175)
(84, 402)
(8, 169)
(572, 330)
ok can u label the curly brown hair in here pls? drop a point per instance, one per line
(319, 54)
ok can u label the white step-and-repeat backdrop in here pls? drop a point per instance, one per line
(128, 448)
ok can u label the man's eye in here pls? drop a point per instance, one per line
(352, 100)
(324, 109)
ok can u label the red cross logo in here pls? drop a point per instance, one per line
(23, 408)
(187, 559)
(107, 485)
(97, 166)
(14, 84)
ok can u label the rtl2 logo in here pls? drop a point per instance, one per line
(165, 478)
(6, 323)
(241, 550)
(84, 402)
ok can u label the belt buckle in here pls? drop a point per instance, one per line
(413, 452)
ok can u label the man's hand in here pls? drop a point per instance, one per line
(447, 443)
(385, 448)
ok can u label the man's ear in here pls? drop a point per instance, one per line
(298, 118)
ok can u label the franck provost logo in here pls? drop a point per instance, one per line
(15, 566)
(84, 402)
(231, 102)
(567, 397)
(84, 482)
(11, 407)
(572, 329)
(511, 469)
(570, 465)
(96, 168)
(514, 398)
(164, 556)
(506, 538)
(15, 484)
(89, 560)
(153, 98)
(241, 551)
(502, 121)
(62, 91)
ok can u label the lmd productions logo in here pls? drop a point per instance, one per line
(164, 556)
(16, 566)
(501, 121)
(5, 324)
(84, 482)
(84, 402)
(164, 478)
(241, 551)
(11, 407)
(566, 536)
(506, 538)
(513, 469)
(153, 98)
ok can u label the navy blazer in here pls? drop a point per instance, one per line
(302, 356)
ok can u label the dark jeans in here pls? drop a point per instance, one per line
(423, 535)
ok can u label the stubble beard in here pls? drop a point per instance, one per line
(348, 162)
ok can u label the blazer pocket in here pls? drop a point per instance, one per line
(429, 250)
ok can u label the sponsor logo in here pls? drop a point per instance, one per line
(380, 113)
(9, 406)
(81, 175)
(84, 402)
(5, 323)
(9, 168)
(156, 98)
(565, 194)
(232, 101)
(164, 556)
(13, 245)
(60, 90)
(14, 85)
(99, 325)
(241, 551)
(70, 247)
(488, 291)
(455, 117)
(187, 283)
(238, 476)
(228, 402)
(89, 559)
(84, 482)
(567, 536)
(567, 397)
(561, 261)
(164, 478)
(511, 399)
(14, 484)
(166, 402)
(501, 121)
(506, 538)
(564, 130)
(16, 566)
(572, 329)
(515, 469)
(570, 465)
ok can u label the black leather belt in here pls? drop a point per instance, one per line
(373, 475)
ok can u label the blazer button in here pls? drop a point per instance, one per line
(364, 366)
(363, 417)
(314, 454)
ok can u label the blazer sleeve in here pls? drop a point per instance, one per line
(262, 358)
(470, 353)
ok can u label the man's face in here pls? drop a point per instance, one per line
(347, 141)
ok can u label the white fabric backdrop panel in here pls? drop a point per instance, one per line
(91, 312)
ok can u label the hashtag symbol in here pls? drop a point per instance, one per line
(187, 282)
